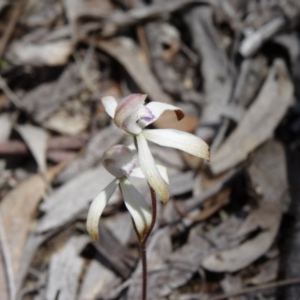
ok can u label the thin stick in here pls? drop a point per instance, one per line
(143, 248)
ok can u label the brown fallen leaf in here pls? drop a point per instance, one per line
(259, 122)
(17, 209)
(266, 217)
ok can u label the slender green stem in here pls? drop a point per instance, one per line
(143, 248)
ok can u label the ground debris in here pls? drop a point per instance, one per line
(231, 226)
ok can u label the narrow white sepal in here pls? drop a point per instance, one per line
(137, 207)
(150, 170)
(97, 208)
(138, 173)
(179, 140)
(110, 104)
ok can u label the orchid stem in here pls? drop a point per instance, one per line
(143, 248)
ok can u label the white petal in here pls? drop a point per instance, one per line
(97, 208)
(110, 104)
(137, 206)
(179, 140)
(138, 173)
(157, 109)
(149, 169)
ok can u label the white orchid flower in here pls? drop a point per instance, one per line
(120, 162)
(132, 116)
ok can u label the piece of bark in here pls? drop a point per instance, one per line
(125, 51)
(99, 143)
(64, 273)
(73, 198)
(215, 66)
(259, 122)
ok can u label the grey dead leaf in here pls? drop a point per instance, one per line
(231, 284)
(73, 198)
(267, 217)
(118, 256)
(251, 77)
(126, 52)
(215, 65)
(118, 224)
(51, 54)
(56, 94)
(65, 123)
(36, 139)
(267, 272)
(64, 272)
(99, 143)
(17, 209)
(98, 281)
(268, 173)
(6, 124)
(75, 9)
(259, 122)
